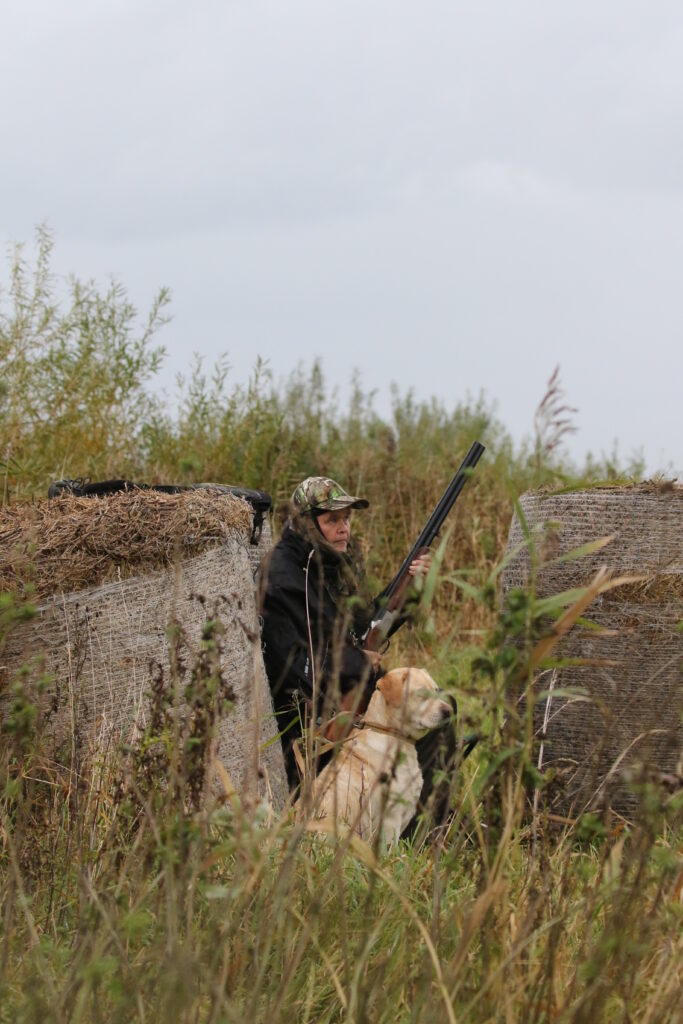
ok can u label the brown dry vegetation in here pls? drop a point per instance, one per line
(69, 543)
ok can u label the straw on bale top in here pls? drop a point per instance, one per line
(70, 543)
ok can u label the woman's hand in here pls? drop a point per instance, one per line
(421, 565)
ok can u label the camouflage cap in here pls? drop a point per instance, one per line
(319, 493)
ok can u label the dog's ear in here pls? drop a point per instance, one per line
(391, 686)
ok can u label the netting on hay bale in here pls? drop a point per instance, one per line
(628, 725)
(109, 576)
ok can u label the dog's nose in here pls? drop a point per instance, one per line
(449, 702)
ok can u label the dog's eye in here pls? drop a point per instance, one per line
(384, 778)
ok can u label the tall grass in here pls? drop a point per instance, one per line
(123, 900)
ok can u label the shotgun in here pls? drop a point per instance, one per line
(392, 599)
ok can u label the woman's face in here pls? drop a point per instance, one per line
(336, 528)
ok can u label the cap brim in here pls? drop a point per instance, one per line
(348, 502)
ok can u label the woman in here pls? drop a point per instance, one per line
(315, 611)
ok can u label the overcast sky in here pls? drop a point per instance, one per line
(452, 196)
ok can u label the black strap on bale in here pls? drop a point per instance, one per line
(83, 488)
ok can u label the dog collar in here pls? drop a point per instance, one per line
(374, 727)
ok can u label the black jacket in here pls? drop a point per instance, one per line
(302, 567)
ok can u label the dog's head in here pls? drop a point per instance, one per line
(408, 700)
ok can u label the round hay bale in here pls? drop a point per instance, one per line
(629, 727)
(181, 559)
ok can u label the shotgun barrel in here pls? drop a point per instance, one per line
(436, 520)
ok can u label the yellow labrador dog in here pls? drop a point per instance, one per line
(374, 782)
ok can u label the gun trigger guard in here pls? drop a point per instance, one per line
(385, 647)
